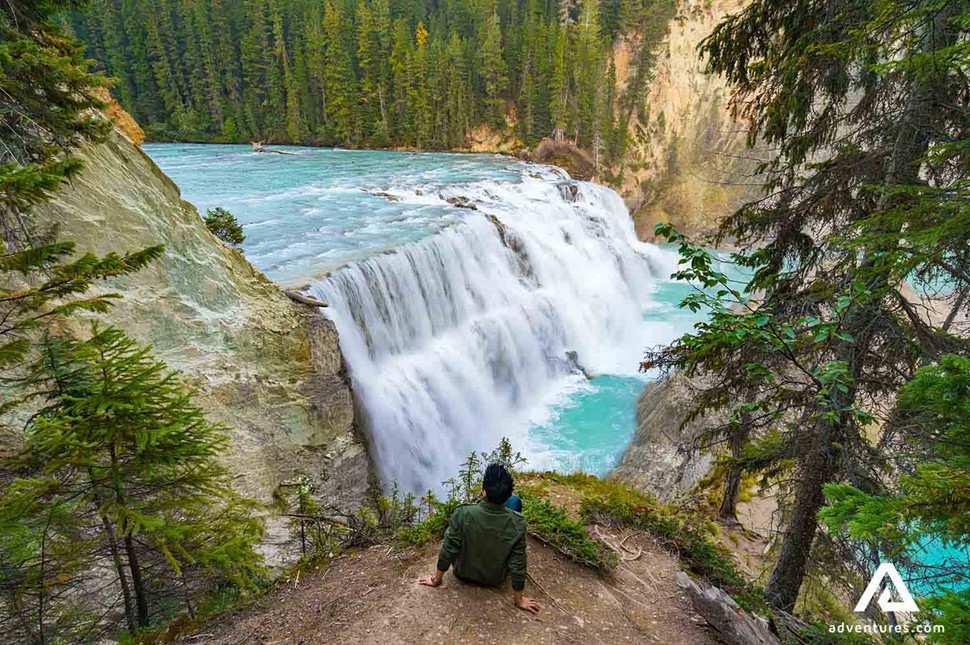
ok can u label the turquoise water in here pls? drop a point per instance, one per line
(590, 429)
(307, 214)
(944, 566)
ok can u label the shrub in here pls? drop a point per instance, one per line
(224, 225)
(549, 524)
(610, 504)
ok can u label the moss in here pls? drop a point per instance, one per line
(610, 503)
(553, 526)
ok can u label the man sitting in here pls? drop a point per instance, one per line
(486, 541)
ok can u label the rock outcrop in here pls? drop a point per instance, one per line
(686, 161)
(664, 458)
(267, 367)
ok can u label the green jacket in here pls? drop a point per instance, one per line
(486, 543)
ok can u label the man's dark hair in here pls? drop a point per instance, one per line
(498, 484)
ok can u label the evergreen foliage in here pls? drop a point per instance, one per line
(110, 492)
(224, 225)
(372, 72)
(407, 520)
(865, 104)
(927, 510)
(46, 103)
(120, 444)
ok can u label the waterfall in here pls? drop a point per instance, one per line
(455, 340)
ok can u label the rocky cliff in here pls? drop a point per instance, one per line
(268, 368)
(664, 459)
(686, 160)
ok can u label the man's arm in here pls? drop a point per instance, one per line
(450, 548)
(518, 565)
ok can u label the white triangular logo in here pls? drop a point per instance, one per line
(905, 602)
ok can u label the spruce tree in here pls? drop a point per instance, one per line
(371, 76)
(122, 438)
(274, 58)
(418, 100)
(458, 104)
(401, 80)
(339, 80)
(47, 107)
(54, 544)
(588, 74)
(492, 70)
(927, 509)
(863, 196)
(254, 54)
(345, 71)
(558, 83)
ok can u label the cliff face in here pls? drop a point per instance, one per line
(686, 161)
(664, 459)
(268, 368)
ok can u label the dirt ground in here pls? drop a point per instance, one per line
(372, 597)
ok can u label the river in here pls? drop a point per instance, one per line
(470, 293)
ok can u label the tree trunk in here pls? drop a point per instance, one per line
(138, 583)
(815, 469)
(130, 618)
(738, 437)
(819, 465)
(732, 480)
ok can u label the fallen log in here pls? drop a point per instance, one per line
(259, 147)
(734, 625)
(296, 296)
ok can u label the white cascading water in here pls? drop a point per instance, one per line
(453, 341)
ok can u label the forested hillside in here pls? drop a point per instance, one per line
(376, 72)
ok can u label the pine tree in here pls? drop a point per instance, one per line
(339, 79)
(368, 60)
(418, 100)
(46, 107)
(123, 439)
(526, 105)
(316, 52)
(833, 333)
(164, 67)
(274, 107)
(929, 506)
(294, 108)
(216, 70)
(254, 46)
(209, 76)
(382, 68)
(458, 104)
(558, 83)
(588, 75)
(224, 225)
(493, 71)
(400, 56)
(226, 61)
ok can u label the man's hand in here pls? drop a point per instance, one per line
(525, 603)
(434, 580)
